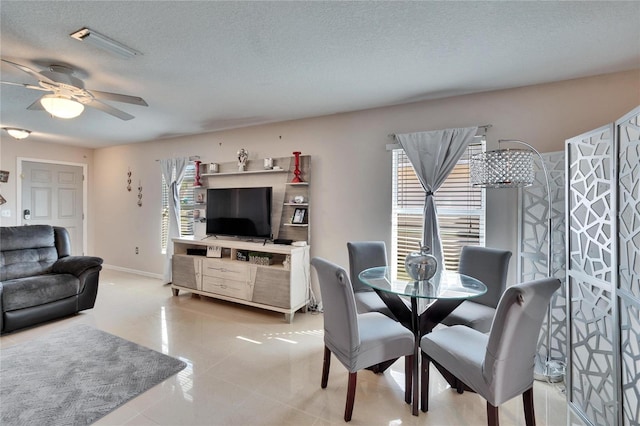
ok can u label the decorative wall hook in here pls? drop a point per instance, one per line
(129, 180)
(140, 194)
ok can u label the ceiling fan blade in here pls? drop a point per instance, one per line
(36, 106)
(110, 110)
(31, 72)
(108, 96)
(27, 86)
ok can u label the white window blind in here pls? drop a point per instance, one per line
(187, 202)
(460, 211)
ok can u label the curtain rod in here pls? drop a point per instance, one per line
(482, 131)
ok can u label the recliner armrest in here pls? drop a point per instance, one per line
(76, 265)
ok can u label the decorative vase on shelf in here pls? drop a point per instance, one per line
(297, 172)
(197, 182)
(421, 265)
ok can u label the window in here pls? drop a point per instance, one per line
(186, 206)
(460, 211)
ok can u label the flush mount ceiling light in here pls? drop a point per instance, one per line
(61, 106)
(105, 43)
(17, 133)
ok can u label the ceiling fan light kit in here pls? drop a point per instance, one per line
(105, 43)
(17, 133)
(61, 106)
(68, 96)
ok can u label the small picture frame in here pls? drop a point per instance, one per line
(299, 216)
(4, 176)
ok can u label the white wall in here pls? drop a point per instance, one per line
(351, 169)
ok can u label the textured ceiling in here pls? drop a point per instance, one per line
(209, 66)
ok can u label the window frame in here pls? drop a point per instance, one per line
(406, 239)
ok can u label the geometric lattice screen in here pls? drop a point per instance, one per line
(590, 224)
(603, 273)
(533, 236)
(628, 291)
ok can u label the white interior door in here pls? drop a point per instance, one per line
(52, 194)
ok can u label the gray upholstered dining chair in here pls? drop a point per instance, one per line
(490, 266)
(357, 340)
(498, 366)
(363, 255)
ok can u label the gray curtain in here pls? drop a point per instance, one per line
(168, 166)
(433, 155)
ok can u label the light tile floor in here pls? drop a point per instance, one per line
(248, 366)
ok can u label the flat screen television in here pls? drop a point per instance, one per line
(241, 212)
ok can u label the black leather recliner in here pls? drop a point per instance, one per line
(39, 280)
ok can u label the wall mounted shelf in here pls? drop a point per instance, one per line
(248, 172)
(284, 192)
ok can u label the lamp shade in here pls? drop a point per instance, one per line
(502, 168)
(61, 106)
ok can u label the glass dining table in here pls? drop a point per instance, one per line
(430, 302)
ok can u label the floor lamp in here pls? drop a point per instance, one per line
(513, 168)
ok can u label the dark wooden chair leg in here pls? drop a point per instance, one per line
(325, 367)
(424, 383)
(408, 378)
(351, 395)
(492, 415)
(529, 412)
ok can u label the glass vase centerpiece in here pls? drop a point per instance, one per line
(421, 265)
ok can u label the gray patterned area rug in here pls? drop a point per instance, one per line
(76, 376)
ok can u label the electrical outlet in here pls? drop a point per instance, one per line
(137, 250)
(6, 213)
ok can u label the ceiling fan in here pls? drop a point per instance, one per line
(68, 91)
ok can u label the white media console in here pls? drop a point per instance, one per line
(267, 281)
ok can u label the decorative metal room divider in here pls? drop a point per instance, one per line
(628, 291)
(534, 237)
(603, 269)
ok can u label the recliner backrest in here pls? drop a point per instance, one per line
(364, 255)
(27, 251)
(488, 265)
(510, 355)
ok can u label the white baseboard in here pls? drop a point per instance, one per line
(133, 271)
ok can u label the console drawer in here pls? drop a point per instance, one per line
(226, 270)
(232, 288)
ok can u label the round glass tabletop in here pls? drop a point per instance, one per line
(447, 285)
